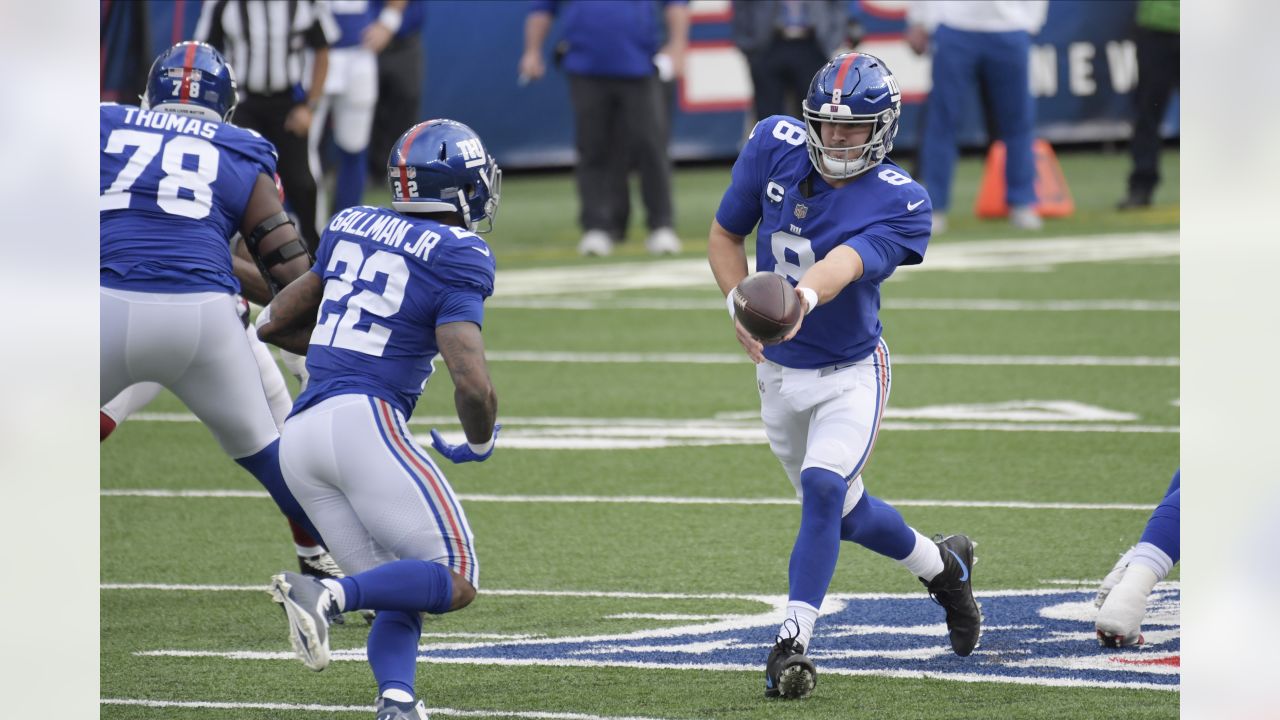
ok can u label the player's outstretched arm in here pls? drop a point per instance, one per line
(825, 279)
(271, 238)
(463, 349)
(288, 321)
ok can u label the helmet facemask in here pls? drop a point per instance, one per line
(844, 162)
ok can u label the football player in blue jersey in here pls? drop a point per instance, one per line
(390, 290)
(1122, 599)
(178, 180)
(835, 217)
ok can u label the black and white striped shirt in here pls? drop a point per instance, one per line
(265, 40)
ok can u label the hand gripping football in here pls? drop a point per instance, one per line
(767, 306)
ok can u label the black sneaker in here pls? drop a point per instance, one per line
(788, 673)
(953, 590)
(1135, 200)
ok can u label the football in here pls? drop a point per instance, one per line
(766, 305)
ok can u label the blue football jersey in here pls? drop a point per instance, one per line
(352, 16)
(389, 281)
(172, 191)
(883, 215)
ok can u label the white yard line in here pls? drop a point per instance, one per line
(957, 304)
(312, 707)
(656, 500)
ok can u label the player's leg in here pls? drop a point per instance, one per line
(126, 403)
(954, 65)
(400, 501)
(1119, 622)
(352, 125)
(221, 385)
(1004, 69)
(645, 121)
(595, 174)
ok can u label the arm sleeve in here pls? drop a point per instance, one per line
(739, 209)
(461, 305)
(893, 242)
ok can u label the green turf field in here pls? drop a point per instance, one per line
(634, 529)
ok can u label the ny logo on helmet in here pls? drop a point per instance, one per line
(471, 152)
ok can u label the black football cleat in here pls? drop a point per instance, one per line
(788, 673)
(953, 590)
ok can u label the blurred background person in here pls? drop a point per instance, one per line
(402, 68)
(785, 42)
(281, 84)
(1157, 38)
(608, 50)
(972, 40)
(351, 90)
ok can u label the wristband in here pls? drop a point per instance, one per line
(728, 301)
(810, 298)
(483, 448)
(392, 18)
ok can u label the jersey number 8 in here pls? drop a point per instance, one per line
(196, 181)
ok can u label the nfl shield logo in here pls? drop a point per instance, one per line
(801, 210)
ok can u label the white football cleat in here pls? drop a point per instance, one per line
(1113, 577)
(1119, 622)
(663, 241)
(595, 242)
(310, 608)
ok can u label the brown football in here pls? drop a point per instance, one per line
(766, 305)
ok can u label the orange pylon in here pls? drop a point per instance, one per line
(1053, 197)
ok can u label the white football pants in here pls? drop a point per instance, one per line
(826, 418)
(371, 491)
(194, 345)
(135, 397)
(351, 94)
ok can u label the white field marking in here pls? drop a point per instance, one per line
(311, 707)
(657, 500)
(662, 616)
(1104, 661)
(966, 305)
(955, 256)
(675, 358)
(567, 662)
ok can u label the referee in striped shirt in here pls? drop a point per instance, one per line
(266, 43)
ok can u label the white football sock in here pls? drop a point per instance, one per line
(308, 551)
(799, 623)
(339, 594)
(397, 695)
(925, 560)
(1146, 554)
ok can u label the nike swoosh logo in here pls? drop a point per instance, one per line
(963, 567)
(482, 251)
(877, 98)
(914, 205)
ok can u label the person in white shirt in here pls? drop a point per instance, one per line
(972, 41)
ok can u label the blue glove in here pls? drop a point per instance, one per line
(462, 452)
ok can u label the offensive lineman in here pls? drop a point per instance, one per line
(177, 180)
(835, 217)
(389, 291)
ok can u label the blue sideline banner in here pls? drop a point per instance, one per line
(1083, 72)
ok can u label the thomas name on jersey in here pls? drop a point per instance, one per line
(384, 228)
(172, 122)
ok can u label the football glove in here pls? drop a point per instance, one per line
(465, 452)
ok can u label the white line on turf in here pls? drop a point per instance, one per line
(955, 304)
(991, 255)
(312, 707)
(656, 500)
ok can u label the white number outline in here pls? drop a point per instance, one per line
(789, 132)
(199, 181)
(780, 242)
(893, 177)
(340, 331)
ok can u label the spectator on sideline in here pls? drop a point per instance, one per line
(785, 42)
(351, 89)
(973, 40)
(610, 49)
(281, 86)
(1157, 39)
(401, 71)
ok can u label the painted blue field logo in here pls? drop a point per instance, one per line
(1041, 637)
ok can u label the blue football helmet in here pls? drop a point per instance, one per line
(857, 89)
(192, 78)
(441, 166)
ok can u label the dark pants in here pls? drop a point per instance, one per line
(401, 67)
(1157, 77)
(780, 75)
(620, 123)
(266, 114)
